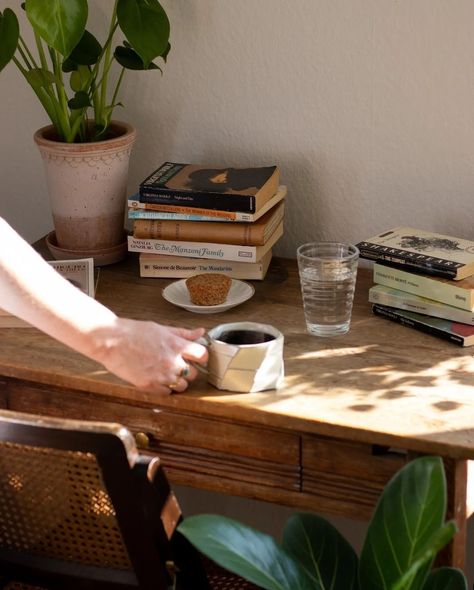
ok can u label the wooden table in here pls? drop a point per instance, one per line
(352, 411)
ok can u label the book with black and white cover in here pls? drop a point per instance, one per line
(79, 272)
(211, 187)
(460, 334)
(456, 293)
(403, 300)
(161, 266)
(214, 251)
(421, 251)
(139, 210)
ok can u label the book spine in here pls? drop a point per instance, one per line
(421, 305)
(412, 323)
(198, 231)
(402, 259)
(163, 215)
(194, 249)
(182, 270)
(220, 201)
(424, 286)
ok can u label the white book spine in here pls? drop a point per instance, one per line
(445, 292)
(194, 249)
(399, 299)
(183, 271)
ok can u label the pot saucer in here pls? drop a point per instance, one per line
(101, 256)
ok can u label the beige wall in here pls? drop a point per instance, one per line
(367, 106)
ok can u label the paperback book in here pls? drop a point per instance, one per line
(158, 266)
(456, 293)
(421, 251)
(460, 334)
(403, 300)
(247, 234)
(139, 210)
(214, 251)
(79, 272)
(207, 187)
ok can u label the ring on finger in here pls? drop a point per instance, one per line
(185, 372)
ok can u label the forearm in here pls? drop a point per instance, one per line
(32, 290)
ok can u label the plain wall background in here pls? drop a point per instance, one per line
(365, 105)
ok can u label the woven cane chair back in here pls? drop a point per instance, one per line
(81, 509)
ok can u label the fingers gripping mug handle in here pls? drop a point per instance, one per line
(205, 341)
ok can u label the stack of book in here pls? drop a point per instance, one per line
(423, 280)
(190, 219)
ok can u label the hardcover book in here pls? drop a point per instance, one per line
(79, 272)
(207, 187)
(247, 234)
(158, 266)
(456, 293)
(421, 251)
(460, 334)
(139, 210)
(214, 251)
(395, 298)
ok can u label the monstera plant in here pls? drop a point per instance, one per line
(70, 71)
(405, 533)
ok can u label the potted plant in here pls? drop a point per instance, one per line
(405, 533)
(77, 80)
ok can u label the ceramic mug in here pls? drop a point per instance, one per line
(244, 356)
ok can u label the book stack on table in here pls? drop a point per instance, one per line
(190, 219)
(423, 280)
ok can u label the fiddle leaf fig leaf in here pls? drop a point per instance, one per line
(247, 552)
(87, 51)
(129, 59)
(61, 23)
(406, 528)
(39, 78)
(146, 27)
(9, 35)
(79, 101)
(446, 578)
(323, 552)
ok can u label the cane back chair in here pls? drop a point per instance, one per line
(80, 509)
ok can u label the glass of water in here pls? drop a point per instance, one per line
(328, 272)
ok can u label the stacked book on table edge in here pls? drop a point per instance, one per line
(222, 220)
(423, 280)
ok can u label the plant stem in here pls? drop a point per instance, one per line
(107, 59)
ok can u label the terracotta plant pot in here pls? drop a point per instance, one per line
(87, 185)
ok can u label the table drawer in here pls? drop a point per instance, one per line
(190, 446)
(336, 470)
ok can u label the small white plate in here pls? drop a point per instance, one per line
(177, 293)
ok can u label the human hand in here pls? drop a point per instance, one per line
(150, 356)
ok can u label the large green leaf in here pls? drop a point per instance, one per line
(146, 26)
(408, 517)
(246, 552)
(87, 51)
(327, 557)
(129, 59)
(9, 35)
(446, 578)
(61, 23)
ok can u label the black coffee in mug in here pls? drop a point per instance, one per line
(240, 337)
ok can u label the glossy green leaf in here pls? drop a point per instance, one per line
(130, 60)
(87, 51)
(446, 578)
(324, 553)
(79, 101)
(61, 23)
(146, 27)
(408, 517)
(39, 78)
(9, 35)
(80, 78)
(246, 552)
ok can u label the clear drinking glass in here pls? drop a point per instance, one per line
(328, 272)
